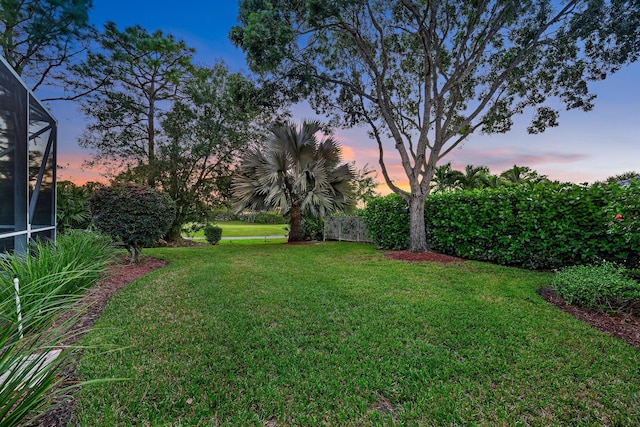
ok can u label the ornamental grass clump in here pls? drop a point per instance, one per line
(607, 287)
(34, 338)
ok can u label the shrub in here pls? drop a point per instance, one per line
(604, 286)
(623, 215)
(387, 221)
(136, 215)
(267, 218)
(51, 281)
(72, 209)
(547, 226)
(212, 233)
(312, 228)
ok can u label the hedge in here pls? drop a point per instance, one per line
(545, 226)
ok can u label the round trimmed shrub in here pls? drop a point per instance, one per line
(213, 234)
(136, 215)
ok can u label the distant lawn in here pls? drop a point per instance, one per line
(245, 229)
(336, 334)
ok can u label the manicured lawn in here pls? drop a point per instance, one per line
(244, 229)
(335, 334)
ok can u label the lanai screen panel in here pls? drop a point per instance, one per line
(27, 165)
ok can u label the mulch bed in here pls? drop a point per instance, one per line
(122, 273)
(421, 257)
(623, 326)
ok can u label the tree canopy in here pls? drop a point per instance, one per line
(138, 74)
(39, 37)
(425, 75)
(205, 132)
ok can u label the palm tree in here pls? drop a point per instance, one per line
(473, 177)
(445, 178)
(523, 175)
(296, 173)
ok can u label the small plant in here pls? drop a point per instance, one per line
(606, 286)
(312, 228)
(51, 281)
(68, 267)
(212, 233)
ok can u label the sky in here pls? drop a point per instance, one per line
(586, 147)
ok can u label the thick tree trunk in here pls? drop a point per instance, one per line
(174, 235)
(417, 229)
(295, 227)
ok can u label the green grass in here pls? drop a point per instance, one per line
(336, 334)
(245, 229)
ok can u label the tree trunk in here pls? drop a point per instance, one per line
(174, 235)
(134, 251)
(295, 227)
(417, 229)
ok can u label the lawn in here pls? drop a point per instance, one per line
(336, 334)
(245, 229)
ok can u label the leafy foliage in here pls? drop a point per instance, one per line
(364, 186)
(68, 267)
(312, 228)
(72, 209)
(296, 174)
(207, 130)
(387, 221)
(545, 226)
(50, 282)
(624, 214)
(133, 214)
(137, 75)
(38, 38)
(212, 233)
(606, 286)
(426, 75)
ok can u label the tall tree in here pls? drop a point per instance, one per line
(424, 75)
(138, 75)
(39, 37)
(206, 131)
(296, 173)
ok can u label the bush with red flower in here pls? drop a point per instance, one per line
(624, 212)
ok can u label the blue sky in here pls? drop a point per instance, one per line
(585, 147)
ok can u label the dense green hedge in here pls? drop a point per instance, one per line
(387, 221)
(546, 226)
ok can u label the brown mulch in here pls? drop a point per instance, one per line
(625, 326)
(421, 257)
(118, 275)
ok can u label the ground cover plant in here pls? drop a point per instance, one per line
(606, 286)
(337, 333)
